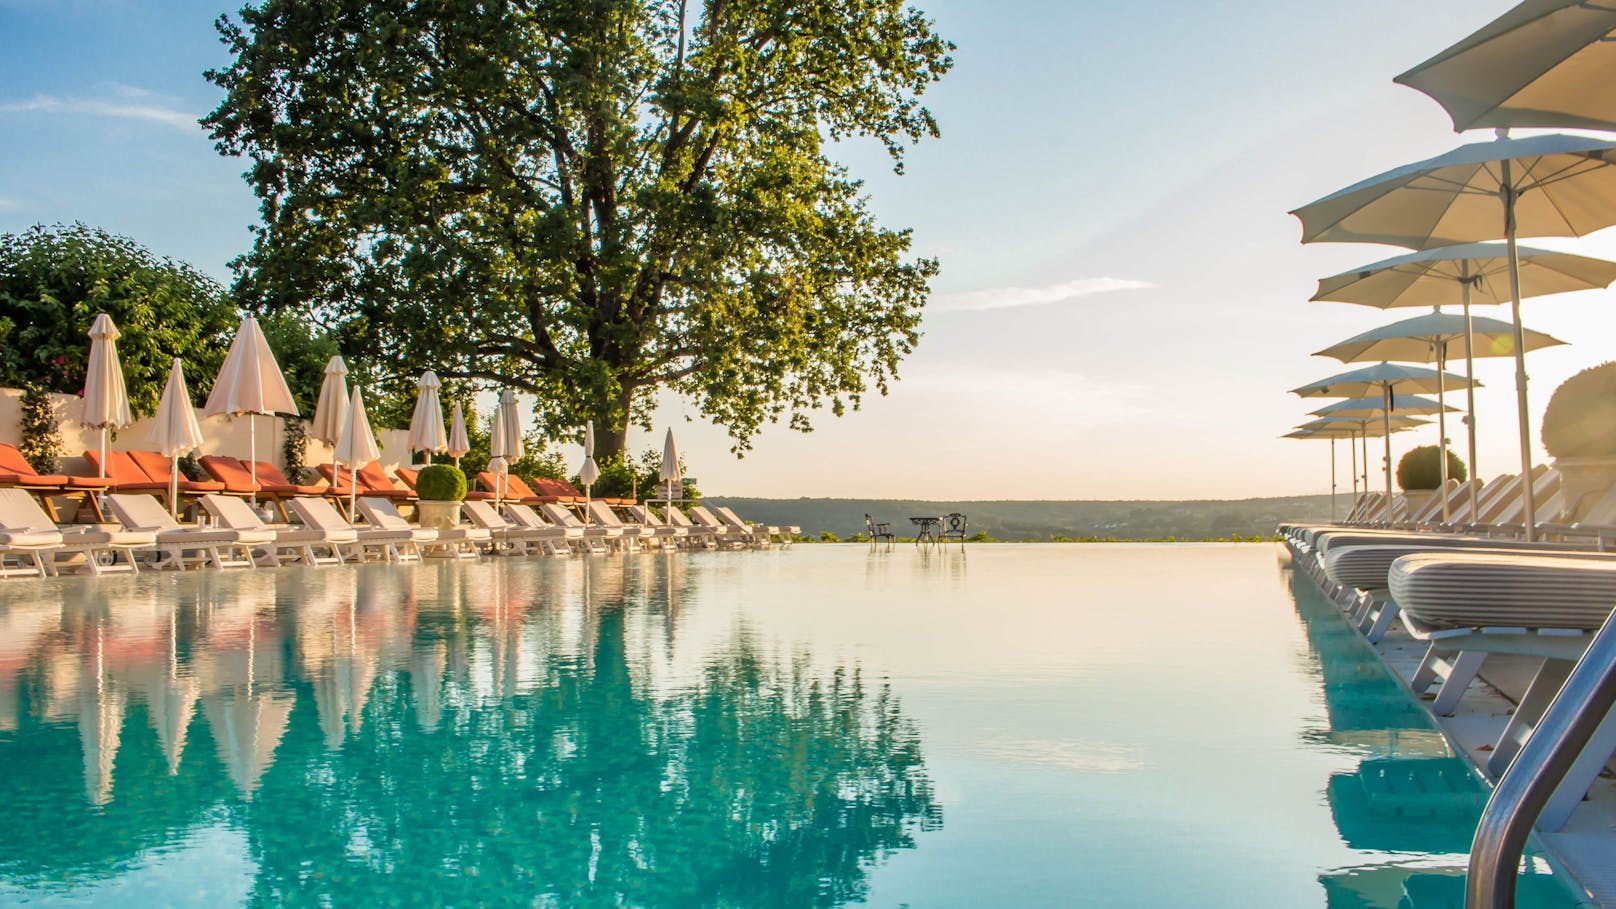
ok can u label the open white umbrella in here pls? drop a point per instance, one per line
(426, 423)
(1542, 186)
(669, 474)
(1472, 272)
(175, 431)
(459, 442)
(106, 404)
(332, 408)
(250, 382)
(588, 473)
(1544, 63)
(1386, 379)
(356, 444)
(1353, 429)
(1425, 339)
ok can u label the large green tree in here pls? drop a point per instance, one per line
(53, 282)
(588, 199)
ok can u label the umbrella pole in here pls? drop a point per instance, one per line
(1386, 415)
(1508, 193)
(1352, 449)
(103, 452)
(1442, 424)
(174, 487)
(1470, 391)
(252, 455)
(1332, 479)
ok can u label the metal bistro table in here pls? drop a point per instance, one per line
(928, 526)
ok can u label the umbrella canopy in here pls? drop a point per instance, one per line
(1447, 274)
(1544, 63)
(250, 382)
(356, 444)
(1560, 186)
(512, 424)
(1374, 380)
(459, 442)
(589, 473)
(175, 431)
(496, 449)
(332, 408)
(426, 424)
(1362, 426)
(1372, 406)
(106, 403)
(1423, 339)
(670, 473)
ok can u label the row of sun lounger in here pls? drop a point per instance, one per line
(32, 543)
(1475, 585)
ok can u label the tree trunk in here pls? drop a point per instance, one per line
(611, 430)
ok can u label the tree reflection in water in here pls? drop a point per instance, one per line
(487, 735)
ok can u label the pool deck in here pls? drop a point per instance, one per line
(1584, 851)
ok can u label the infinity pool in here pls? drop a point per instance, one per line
(1039, 725)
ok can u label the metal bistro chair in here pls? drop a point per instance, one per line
(878, 530)
(953, 528)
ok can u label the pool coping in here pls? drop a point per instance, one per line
(1581, 851)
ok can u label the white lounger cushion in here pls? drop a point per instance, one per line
(1366, 565)
(1455, 589)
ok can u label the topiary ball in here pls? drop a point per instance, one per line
(1580, 421)
(1421, 468)
(440, 483)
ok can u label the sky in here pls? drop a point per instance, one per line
(1123, 298)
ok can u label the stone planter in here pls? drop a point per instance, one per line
(1417, 499)
(1583, 480)
(437, 514)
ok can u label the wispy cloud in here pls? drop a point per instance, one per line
(1010, 297)
(9, 204)
(1006, 399)
(132, 104)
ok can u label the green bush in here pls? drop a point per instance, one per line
(1421, 468)
(41, 444)
(441, 483)
(1580, 421)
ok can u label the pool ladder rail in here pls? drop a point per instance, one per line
(1552, 772)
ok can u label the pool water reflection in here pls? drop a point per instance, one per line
(1019, 725)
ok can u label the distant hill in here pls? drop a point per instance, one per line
(1204, 519)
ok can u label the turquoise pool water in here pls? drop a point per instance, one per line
(1041, 725)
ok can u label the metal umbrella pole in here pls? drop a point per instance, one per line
(1507, 192)
(1466, 280)
(1440, 349)
(1332, 479)
(1386, 416)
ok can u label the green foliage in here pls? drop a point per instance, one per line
(441, 483)
(616, 478)
(1580, 421)
(587, 201)
(858, 537)
(302, 350)
(53, 282)
(649, 472)
(295, 445)
(980, 536)
(41, 443)
(1421, 468)
(829, 536)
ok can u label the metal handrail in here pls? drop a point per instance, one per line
(1543, 762)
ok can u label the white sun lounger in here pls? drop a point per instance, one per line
(292, 544)
(388, 545)
(98, 546)
(516, 539)
(557, 540)
(744, 535)
(1468, 605)
(596, 538)
(670, 534)
(660, 536)
(181, 544)
(782, 533)
(460, 542)
(24, 539)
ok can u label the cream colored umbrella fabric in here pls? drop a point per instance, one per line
(589, 472)
(513, 426)
(175, 431)
(426, 423)
(106, 403)
(496, 447)
(332, 408)
(250, 382)
(1544, 63)
(669, 474)
(459, 442)
(356, 444)
(1542, 186)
